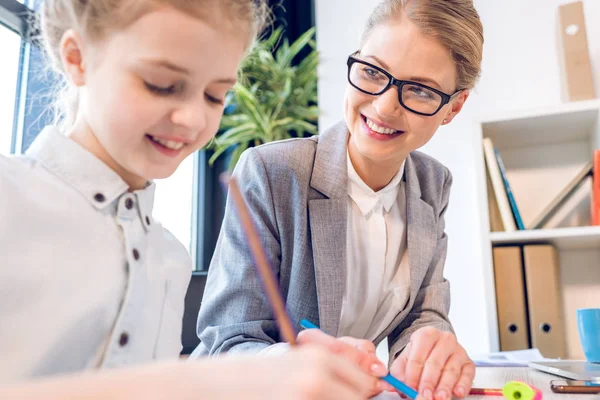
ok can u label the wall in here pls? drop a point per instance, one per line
(520, 71)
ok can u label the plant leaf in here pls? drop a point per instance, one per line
(275, 97)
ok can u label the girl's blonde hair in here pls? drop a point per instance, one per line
(454, 23)
(94, 19)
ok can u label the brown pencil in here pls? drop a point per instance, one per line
(261, 263)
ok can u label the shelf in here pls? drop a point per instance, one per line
(568, 122)
(584, 237)
(563, 108)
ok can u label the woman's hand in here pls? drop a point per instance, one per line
(435, 364)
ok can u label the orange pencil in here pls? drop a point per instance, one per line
(486, 392)
(265, 271)
(513, 390)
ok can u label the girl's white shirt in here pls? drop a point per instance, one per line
(87, 278)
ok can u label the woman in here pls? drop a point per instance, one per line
(353, 220)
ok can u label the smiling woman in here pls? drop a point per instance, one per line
(353, 219)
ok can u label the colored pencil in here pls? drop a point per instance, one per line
(262, 264)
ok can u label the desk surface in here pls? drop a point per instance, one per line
(497, 377)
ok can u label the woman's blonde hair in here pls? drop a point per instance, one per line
(454, 23)
(94, 19)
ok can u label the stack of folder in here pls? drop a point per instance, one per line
(528, 299)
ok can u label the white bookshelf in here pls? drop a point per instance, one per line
(573, 238)
(542, 150)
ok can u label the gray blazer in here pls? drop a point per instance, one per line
(297, 194)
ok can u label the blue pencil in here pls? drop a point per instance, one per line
(398, 385)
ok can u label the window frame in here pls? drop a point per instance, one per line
(20, 19)
(16, 17)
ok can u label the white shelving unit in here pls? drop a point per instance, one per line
(542, 150)
(571, 238)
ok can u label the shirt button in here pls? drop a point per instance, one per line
(136, 254)
(123, 339)
(129, 203)
(99, 197)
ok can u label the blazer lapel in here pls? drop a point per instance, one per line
(328, 224)
(421, 231)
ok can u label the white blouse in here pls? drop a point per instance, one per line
(87, 278)
(377, 276)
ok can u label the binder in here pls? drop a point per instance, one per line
(510, 298)
(576, 66)
(542, 280)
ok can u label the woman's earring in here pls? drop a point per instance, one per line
(445, 121)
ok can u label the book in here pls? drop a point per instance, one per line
(496, 224)
(498, 185)
(575, 211)
(543, 217)
(511, 198)
(596, 189)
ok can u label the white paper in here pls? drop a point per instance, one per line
(387, 396)
(517, 358)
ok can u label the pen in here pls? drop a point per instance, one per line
(398, 385)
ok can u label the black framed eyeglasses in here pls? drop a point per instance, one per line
(414, 96)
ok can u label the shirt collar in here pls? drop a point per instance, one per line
(85, 173)
(365, 198)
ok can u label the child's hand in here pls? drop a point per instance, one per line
(360, 352)
(319, 374)
(435, 364)
(307, 372)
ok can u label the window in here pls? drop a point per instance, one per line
(10, 45)
(173, 202)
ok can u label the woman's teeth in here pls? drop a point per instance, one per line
(379, 129)
(171, 144)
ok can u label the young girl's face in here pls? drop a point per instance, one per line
(399, 48)
(153, 93)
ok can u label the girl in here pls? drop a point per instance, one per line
(354, 219)
(89, 280)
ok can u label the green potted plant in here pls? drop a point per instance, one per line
(275, 98)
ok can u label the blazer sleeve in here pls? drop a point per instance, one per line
(235, 315)
(432, 304)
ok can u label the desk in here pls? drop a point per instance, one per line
(497, 377)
